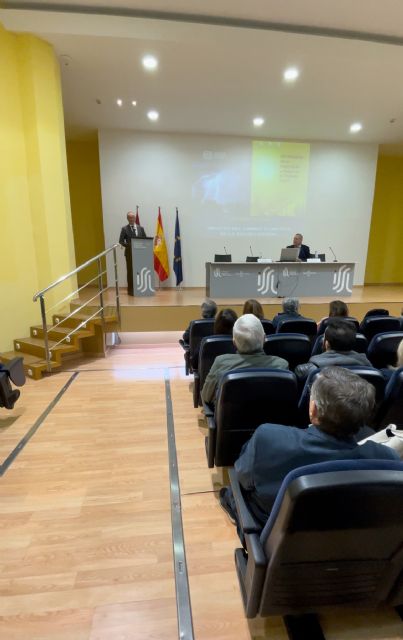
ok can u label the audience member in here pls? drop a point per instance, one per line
(340, 404)
(290, 312)
(338, 349)
(387, 373)
(208, 310)
(248, 335)
(224, 322)
(337, 309)
(253, 306)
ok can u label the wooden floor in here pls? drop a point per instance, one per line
(85, 544)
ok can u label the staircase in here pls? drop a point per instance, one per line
(88, 339)
(82, 326)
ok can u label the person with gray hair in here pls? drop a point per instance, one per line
(208, 310)
(290, 312)
(248, 337)
(340, 404)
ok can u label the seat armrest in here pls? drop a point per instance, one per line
(211, 441)
(15, 369)
(208, 410)
(247, 521)
(254, 574)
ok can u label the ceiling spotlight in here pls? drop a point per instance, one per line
(291, 74)
(134, 103)
(355, 127)
(153, 115)
(150, 62)
(119, 102)
(258, 121)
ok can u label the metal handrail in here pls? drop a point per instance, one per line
(100, 294)
(76, 270)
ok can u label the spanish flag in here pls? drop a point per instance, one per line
(161, 264)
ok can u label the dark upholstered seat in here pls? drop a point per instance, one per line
(293, 347)
(372, 325)
(382, 350)
(333, 538)
(246, 398)
(210, 348)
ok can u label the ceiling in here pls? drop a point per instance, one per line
(221, 64)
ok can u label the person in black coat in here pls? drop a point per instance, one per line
(304, 251)
(129, 231)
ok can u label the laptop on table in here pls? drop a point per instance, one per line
(289, 255)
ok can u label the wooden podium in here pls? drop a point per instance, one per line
(143, 266)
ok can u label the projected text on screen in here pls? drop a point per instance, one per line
(279, 180)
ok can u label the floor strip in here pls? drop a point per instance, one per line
(183, 605)
(17, 450)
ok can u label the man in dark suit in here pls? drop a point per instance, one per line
(304, 252)
(290, 312)
(341, 403)
(129, 231)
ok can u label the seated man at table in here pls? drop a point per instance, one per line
(304, 251)
(338, 349)
(248, 336)
(340, 404)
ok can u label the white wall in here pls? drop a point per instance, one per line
(166, 170)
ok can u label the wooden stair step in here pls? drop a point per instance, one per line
(33, 366)
(61, 332)
(79, 318)
(36, 346)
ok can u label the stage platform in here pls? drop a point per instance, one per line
(172, 309)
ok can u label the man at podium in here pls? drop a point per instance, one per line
(129, 231)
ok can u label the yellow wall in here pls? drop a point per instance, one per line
(86, 202)
(384, 261)
(36, 237)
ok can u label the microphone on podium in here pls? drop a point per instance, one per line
(334, 255)
(251, 252)
(226, 252)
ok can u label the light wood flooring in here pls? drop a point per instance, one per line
(85, 542)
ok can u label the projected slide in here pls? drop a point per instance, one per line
(279, 179)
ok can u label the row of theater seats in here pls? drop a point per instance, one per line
(295, 348)
(369, 327)
(247, 398)
(334, 535)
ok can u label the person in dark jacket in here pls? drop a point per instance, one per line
(304, 251)
(338, 349)
(341, 403)
(208, 310)
(129, 231)
(290, 312)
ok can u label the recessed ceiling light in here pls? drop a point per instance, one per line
(150, 62)
(153, 115)
(291, 74)
(355, 127)
(258, 121)
(119, 102)
(134, 103)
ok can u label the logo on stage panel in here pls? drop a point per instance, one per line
(144, 282)
(265, 281)
(341, 279)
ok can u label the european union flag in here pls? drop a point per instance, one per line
(178, 252)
